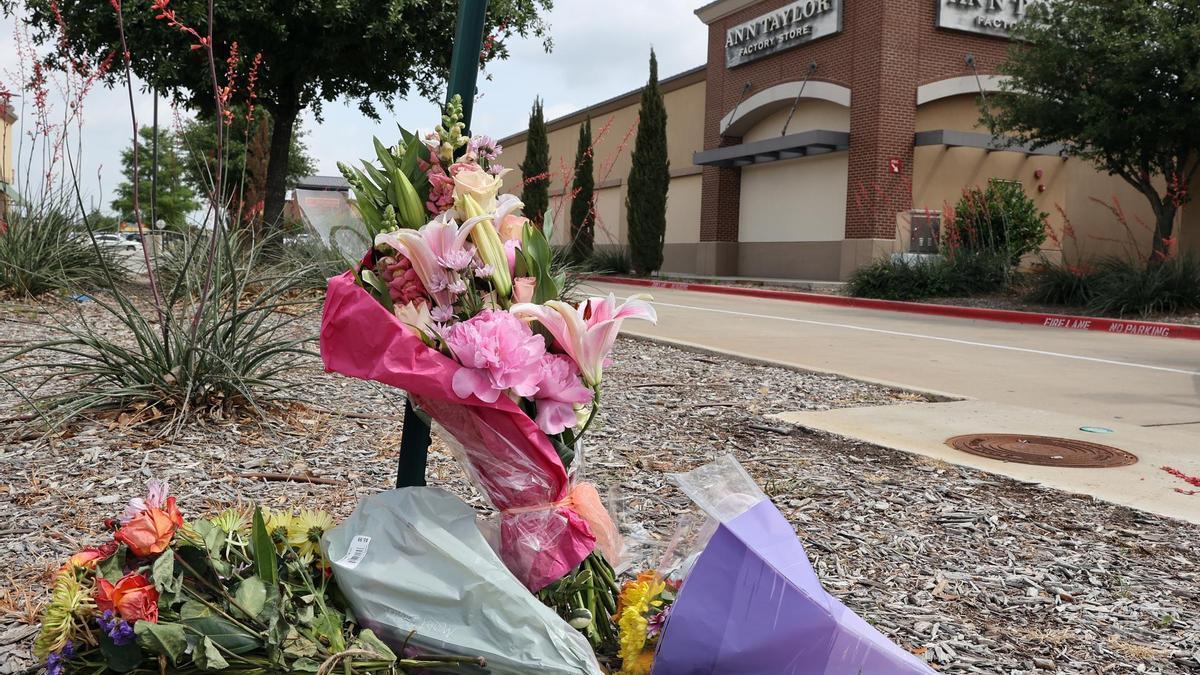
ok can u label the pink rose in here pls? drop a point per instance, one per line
(498, 352)
(558, 394)
(523, 289)
(512, 227)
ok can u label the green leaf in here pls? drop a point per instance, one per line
(224, 633)
(208, 657)
(381, 289)
(161, 638)
(120, 658)
(328, 624)
(305, 665)
(262, 547)
(548, 224)
(113, 568)
(369, 641)
(384, 155)
(163, 573)
(251, 595)
(193, 609)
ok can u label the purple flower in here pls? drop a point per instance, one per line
(654, 625)
(483, 147)
(56, 662)
(118, 630)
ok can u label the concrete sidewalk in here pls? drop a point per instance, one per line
(922, 428)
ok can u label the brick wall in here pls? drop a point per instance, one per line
(884, 52)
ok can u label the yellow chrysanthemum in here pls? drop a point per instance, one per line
(65, 616)
(304, 532)
(641, 665)
(635, 601)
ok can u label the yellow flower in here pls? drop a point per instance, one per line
(65, 616)
(635, 601)
(304, 532)
(480, 185)
(278, 524)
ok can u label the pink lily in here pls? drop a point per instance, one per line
(587, 332)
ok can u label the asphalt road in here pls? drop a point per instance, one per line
(1093, 376)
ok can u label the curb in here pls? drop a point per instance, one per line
(1053, 321)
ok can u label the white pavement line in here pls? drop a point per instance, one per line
(972, 343)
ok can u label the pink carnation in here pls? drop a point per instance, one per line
(498, 352)
(558, 394)
(403, 283)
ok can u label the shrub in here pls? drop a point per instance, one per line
(214, 347)
(907, 279)
(1060, 284)
(609, 260)
(1000, 218)
(1121, 287)
(46, 248)
(311, 262)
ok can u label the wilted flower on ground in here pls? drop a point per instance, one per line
(498, 353)
(55, 662)
(63, 618)
(88, 558)
(149, 533)
(118, 630)
(156, 495)
(133, 597)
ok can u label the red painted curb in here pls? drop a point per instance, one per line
(1057, 321)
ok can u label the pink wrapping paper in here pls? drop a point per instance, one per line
(505, 453)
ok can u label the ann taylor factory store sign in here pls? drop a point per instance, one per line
(788, 26)
(990, 17)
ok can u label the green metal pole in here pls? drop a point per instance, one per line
(464, 71)
(464, 64)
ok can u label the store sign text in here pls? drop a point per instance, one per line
(786, 27)
(990, 17)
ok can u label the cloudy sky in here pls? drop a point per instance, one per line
(600, 51)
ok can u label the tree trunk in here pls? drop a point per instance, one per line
(1163, 227)
(283, 123)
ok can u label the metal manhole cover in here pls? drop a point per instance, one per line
(1042, 450)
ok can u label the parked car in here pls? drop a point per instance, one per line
(113, 240)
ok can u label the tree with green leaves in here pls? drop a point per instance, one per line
(247, 144)
(535, 170)
(649, 179)
(1115, 83)
(312, 52)
(175, 196)
(583, 197)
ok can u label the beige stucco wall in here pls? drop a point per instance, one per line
(1074, 190)
(802, 199)
(613, 135)
(810, 114)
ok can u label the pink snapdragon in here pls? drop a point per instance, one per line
(558, 393)
(498, 352)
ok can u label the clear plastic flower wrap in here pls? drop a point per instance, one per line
(548, 524)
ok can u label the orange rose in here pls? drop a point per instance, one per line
(134, 598)
(149, 532)
(88, 558)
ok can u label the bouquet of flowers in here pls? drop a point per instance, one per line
(246, 591)
(459, 304)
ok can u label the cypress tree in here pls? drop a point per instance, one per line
(535, 170)
(649, 179)
(583, 189)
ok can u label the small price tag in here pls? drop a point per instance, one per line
(355, 553)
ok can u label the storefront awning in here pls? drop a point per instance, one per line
(952, 138)
(813, 142)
